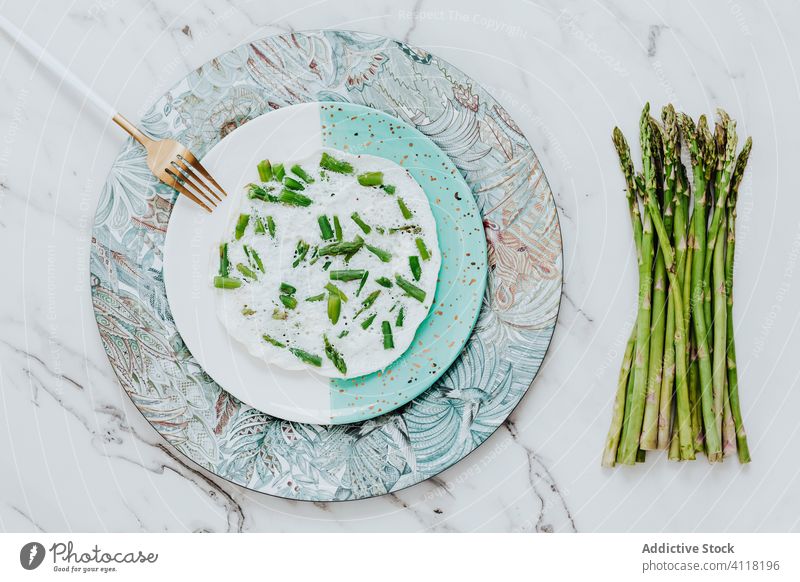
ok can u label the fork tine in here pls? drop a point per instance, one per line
(197, 179)
(174, 183)
(189, 157)
(186, 176)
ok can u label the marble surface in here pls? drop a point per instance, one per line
(76, 455)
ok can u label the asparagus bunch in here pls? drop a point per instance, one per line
(678, 386)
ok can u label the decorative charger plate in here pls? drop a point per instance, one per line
(193, 239)
(475, 395)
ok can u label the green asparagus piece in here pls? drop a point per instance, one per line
(246, 271)
(361, 224)
(292, 198)
(265, 171)
(325, 227)
(278, 172)
(247, 312)
(290, 183)
(288, 301)
(347, 274)
(400, 317)
(367, 303)
(221, 282)
(224, 264)
(423, 250)
(410, 289)
(403, 208)
(368, 321)
(288, 289)
(412, 228)
(241, 225)
(304, 356)
(280, 314)
(263, 193)
(254, 258)
(384, 256)
(416, 270)
(389, 189)
(259, 228)
(341, 248)
(333, 289)
(334, 356)
(273, 341)
(363, 282)
(332, 164)
(383, 282)
(298, 171)
(337, 228)
(271, 226)
(300, 253)
(388, 340)
(370, 178)
(313, 298)
(617, 418)
(334, 307)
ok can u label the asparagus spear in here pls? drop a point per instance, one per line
(290, 183)
(224, 264)
(367, 303)
(246, 271)
(292, 198)
(403, 208)
(400, 317)
(273, 341)
(363, 282)
(259, 228)
(337, 228)
(278, 172)
(288, 301)
(314, 298)
(383, 282)
(368, 321)
(384, 256)
(423, 250)
(617, 417)
(389, 189)
(288, 289)
(413, 264)
(263, 193)
(701, 146)
(342, 248)
(733, 375)
(410, 289)
(334, 307)
(271, 226)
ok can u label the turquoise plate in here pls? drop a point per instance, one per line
(446, 422)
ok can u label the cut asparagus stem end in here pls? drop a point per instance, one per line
(410, 289)
(278, 172)
(384, 282)
(370, 178)
(361, 224)
(288, 289)
(368, 321)
(224, 264)
(271, 226)
(241, 225)
(325, 227)
(423, 250)
(298, 171)
(337, 228)
(246, 271)
(388, 340)
(334, 356)
(221, 282)
(288, 301)
(347, 274)
(334, 307)
(265, 171)
(416, 270)
(403, 208)
(292, 198)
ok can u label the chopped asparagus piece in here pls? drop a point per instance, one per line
(313, 298)
(423, 250)
(344, 333)
(271, 226)
(384, 282)
(336, 291)
(410, 289)
(363, 282)
(403, 208)
(288, 289)
(273, 341)
(265, 171)
(241, 225)
(334, 307)
(325, 227)
(370, 178)
(246, 271)
(412, 228)
(347, 274)
(293, 198)
(330, 163)
(259, 227)
(388, 340)
(257, 192)
(416, 270)
(306, 357)
(298, 171)
(278, 172)
(300, 253)
(334, 356)
(254, 258)
(279, 314)
(337, 228)
(326, 265)
(400, 317)
(247, 312)
(342, 248)
(367, 303)
(288, 301)
(224, 264)
(293, 184)
(226, 282)
(368, 321)
(384, 256)
(362, 225)
(389, 188)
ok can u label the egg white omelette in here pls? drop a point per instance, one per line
(330, 264)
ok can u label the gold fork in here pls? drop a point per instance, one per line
(172, 163)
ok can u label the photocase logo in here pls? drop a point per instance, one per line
(31, 555)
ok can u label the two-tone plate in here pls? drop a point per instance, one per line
(294, 133)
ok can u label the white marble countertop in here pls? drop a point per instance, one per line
(75, 453)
